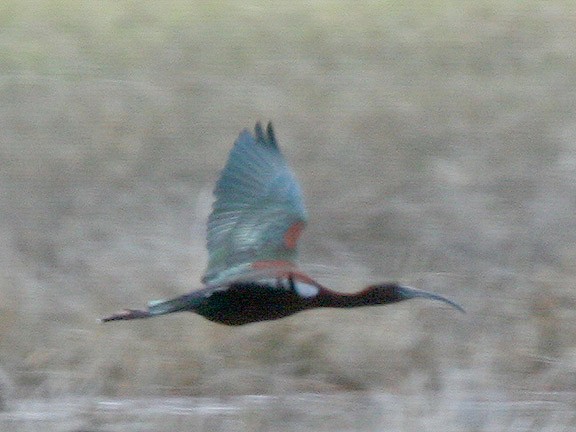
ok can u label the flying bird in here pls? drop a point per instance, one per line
(253, 233)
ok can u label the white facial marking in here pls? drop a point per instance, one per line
(305, 290)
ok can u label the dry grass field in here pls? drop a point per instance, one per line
(435, 142)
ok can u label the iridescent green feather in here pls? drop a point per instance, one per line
(257, 200)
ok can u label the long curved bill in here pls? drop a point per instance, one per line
(409, 292)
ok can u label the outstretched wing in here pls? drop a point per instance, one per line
(259, 212)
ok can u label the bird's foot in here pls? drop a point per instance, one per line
(127, 314)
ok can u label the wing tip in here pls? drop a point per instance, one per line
(268, 138)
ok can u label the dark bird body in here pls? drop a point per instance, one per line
(253, 231)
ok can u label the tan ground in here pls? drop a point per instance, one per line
(436, 145)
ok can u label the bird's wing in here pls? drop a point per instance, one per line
(259, 212)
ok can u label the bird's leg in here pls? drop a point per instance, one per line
(186, 302)
(127, 314)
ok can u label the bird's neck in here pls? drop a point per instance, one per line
(367, 297)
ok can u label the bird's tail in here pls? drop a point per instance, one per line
(155, 308)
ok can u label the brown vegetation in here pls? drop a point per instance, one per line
(435, 145)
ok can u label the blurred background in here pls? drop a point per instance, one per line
(435, 142)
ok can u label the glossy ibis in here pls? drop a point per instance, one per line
(253, 230)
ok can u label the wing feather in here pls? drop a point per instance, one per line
(258, 203)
